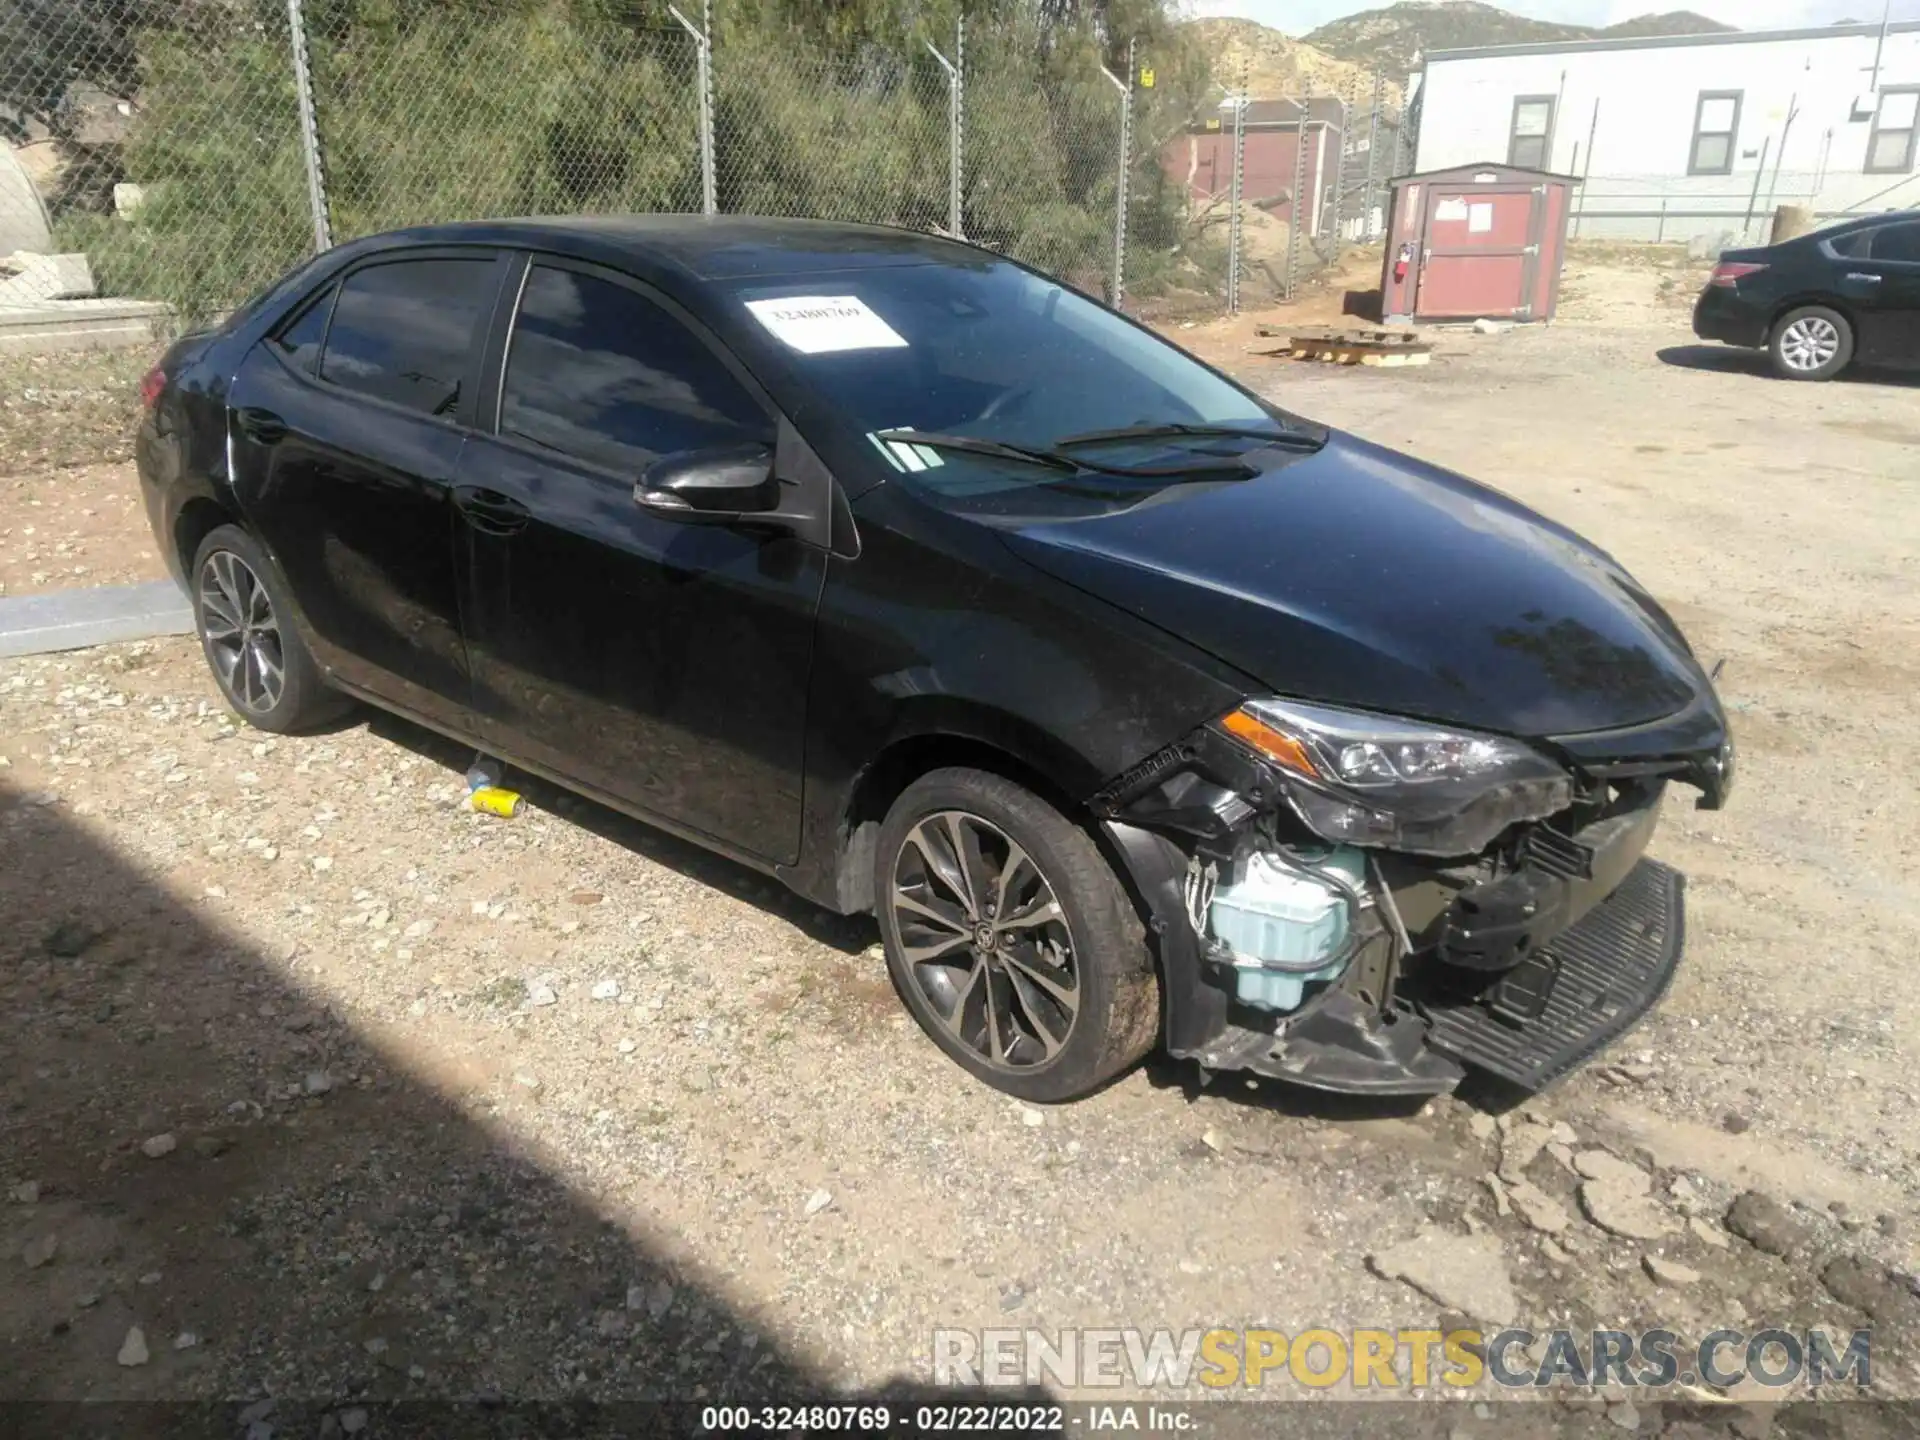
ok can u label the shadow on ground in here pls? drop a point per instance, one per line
(849, 934)
(852, 934)
(1730, 360)
(1367, 304)
(193, 1148)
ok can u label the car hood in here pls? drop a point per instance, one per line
(1358, 576)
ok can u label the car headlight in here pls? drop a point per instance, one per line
(1360, 779)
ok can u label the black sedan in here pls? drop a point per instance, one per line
(1137, 709)
(1822, 301)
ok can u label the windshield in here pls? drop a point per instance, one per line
(995, 352)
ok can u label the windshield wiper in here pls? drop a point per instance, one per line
(1284, 439)
(1055, 459)
(974, 445)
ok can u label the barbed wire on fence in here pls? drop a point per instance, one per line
(183, 153)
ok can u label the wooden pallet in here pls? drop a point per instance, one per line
(1384, 348)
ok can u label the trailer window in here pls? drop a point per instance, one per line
(1716, 128)
(1532, 137)
(1895, 119)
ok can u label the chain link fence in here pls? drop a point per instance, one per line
(172, 156)
(160, 161)
(1712, 213)
(427, 116)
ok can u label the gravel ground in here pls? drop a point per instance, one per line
(559, 1107)
(69, 514)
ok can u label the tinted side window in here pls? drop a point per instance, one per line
(298, 341)
(404, 331)
(1854, 245)
(1897, 242)
(600, 373)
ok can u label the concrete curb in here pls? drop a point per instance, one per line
(75, 619)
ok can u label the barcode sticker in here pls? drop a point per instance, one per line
(822, 324)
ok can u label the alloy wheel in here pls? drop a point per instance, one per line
(985, 941)
(241, 633)
(1809, 343)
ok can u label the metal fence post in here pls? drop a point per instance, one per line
(703, 77)
(1295, 210)
(956, 127)
(1373, 146)
(957, 130)
(1239, 103)
(1119, 288)
(309, 130)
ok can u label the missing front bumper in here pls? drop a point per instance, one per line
(1585, 989)
(1582, 991)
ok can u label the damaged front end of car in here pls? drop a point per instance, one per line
(1365, 904)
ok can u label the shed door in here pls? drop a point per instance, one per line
(1481, 252)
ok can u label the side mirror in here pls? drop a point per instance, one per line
(719, 484)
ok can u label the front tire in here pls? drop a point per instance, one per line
(1010, 939)
(246, 628)
(1811, 343)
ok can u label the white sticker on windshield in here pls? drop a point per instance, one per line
(822, 324)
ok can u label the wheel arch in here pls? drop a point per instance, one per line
(196, 520)
(999, 744)
(1839, 307)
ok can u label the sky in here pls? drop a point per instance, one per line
(1296, 17)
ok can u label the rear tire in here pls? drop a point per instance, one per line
(1010, 939)
(1811, 343)
(247, 632)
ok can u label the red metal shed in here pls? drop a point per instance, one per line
(1476, 241)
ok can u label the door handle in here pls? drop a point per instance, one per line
(1865, 279)
(490, 512)
(260, 425)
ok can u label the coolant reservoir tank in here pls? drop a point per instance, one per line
(1285, 923)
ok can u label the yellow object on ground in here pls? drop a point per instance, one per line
(492, 800)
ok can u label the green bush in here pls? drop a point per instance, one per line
(225, 188)
(432, 111)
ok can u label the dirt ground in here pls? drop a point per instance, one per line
(69, 514)
(558, 1107)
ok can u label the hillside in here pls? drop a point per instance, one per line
(1278, 67)
(1670, 22)
(1390, 39)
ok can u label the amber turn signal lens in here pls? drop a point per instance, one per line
(1279, 748)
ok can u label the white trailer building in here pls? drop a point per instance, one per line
(1680, 136)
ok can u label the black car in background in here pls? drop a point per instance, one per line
(1822, 301)
(1135, 708)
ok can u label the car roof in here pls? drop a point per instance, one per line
(1850, 223)
(703, 247)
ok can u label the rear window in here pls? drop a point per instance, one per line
(1852, 245)
(1897, 242)
(298, 341)
(404, 331)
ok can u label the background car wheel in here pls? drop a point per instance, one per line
(1812, 343)
(259, 661)
(1010, 938)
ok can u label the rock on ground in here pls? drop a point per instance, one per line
(1611, 1169)
(133, 1350)
(1708, 1233)
(1663, 1271)
(1621, 1207)
(1462, 1272)
(1518, 1147)
(1766, 1224)
(1540, 1210)
(1868, 1287)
